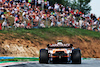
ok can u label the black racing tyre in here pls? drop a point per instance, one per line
(76, 56)
(43, 58)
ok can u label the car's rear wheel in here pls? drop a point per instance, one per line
(43, 58)
(76, 56)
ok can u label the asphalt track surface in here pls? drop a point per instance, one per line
(85, 63)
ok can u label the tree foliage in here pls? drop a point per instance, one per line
(64, 2)
(82, 5)
(56, 1)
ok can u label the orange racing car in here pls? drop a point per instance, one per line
(55, 53)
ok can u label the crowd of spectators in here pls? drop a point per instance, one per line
(37, 14)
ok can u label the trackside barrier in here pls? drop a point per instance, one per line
(27, 58)
(17, 59)
(6, 58)
(90, 58)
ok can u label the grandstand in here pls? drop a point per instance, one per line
(30, 14)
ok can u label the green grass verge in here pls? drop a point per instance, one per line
(48, 33)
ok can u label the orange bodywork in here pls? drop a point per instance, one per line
(59, 50)
(58, 56)
(54, 51)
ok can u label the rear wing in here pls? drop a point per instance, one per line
(60, 46)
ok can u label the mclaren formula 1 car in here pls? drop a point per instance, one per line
(56, 53)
